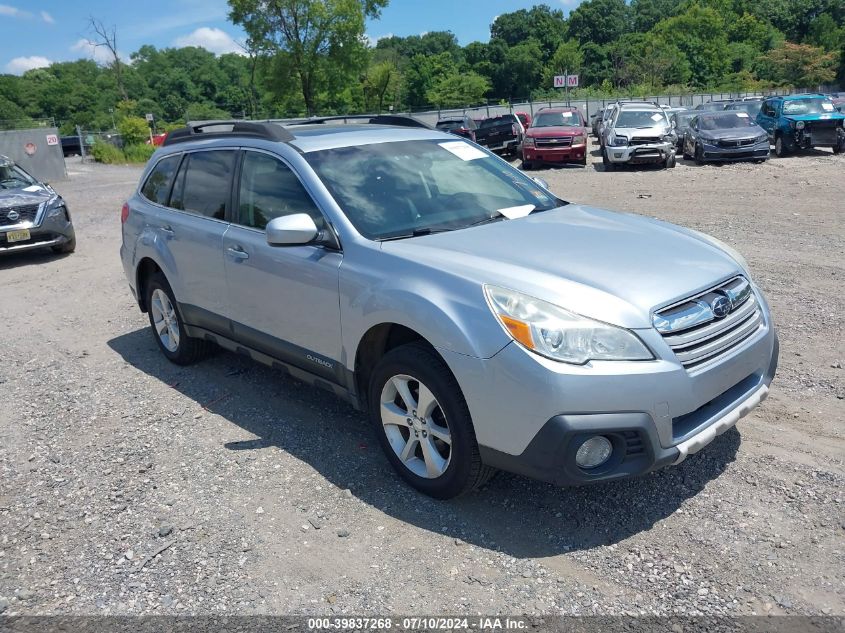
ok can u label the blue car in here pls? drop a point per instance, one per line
(802, 121)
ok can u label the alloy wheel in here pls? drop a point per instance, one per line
(165, 320)
(415, 426)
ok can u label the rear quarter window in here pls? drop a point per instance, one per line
(157, 186)
(203, 184)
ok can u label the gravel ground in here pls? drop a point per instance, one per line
(131, 486)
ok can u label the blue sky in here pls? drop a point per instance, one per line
(34, 33)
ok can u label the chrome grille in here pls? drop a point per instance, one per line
(19, 214)
(563, 141)
(697, 335)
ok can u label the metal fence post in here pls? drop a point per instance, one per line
(81, 143)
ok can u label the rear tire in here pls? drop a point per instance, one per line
(167, 326)
(427, 461)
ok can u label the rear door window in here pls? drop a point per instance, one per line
(157, 187)
(203, 183)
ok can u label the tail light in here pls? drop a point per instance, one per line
(124, 213)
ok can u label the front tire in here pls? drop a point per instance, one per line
(66, 248)
(780, 147)
(670, 162)
(699, 155)
(608, 166)
(837, 149)
(168, 328)
(423, 423)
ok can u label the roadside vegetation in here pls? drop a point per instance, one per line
(618, 48)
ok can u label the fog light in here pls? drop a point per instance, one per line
(594, 452)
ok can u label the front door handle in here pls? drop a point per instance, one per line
(166, 229)
(237, 252)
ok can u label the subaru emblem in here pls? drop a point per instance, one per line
(721, 306)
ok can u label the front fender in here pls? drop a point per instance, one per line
(454, 317)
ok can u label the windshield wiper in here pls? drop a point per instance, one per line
(415, 233)
(487, 220)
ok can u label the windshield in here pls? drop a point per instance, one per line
(449, 125)
(751, 107)
(552, 119)
(407, 188)
(640, 118)
(808, 106)
(13, 177)
(726, 121)
(682, 119)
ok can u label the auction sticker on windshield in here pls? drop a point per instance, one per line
(462, 150)
(742, 115)
(17, 236)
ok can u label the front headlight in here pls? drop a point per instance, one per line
(799, 125)
(618, 141)
(579, 139)
(55, 207)
(762, 138)
(555, 333)
(528, 141)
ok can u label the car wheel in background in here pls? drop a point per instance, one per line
(527, 165)
(780, 146)
(608, 166)
(699, 155)
(167, 326)
(670, 162)
(837, 149)
(423, 423)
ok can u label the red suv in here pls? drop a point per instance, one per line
(556, 135)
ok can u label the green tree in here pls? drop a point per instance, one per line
(311, 33)
(544, 25)
(799, 65)
(567, 58)
(700, 34)
(133, 130)
(599, 21)
(458, 89)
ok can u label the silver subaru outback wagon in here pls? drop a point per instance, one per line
(483, 322)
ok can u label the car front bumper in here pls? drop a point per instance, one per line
(760, 151)
(640, 154)
(532, 414)
(552, 154)
(48, 231)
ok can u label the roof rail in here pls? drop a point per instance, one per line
(399, 120)
(252, 129)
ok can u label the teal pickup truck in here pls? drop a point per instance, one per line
(802, 121)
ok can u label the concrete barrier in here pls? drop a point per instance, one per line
(38, 151)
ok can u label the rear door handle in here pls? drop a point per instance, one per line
(237, 252)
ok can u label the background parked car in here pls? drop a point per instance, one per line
(718, 104)
(680, 123)
(461, 126)
(638, 133)
(801, 122)
(725, 136)
(501, 134)
(557, 135)
(524, 118)
(32, 214)
(595, 121)
(751, 106)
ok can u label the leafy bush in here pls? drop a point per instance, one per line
(134, 130)
(138, 153)
(106, 153)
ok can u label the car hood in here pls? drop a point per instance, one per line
(730, 134)
(836, 116)
(657, 130)
(35, 194)
(614, 267)
(554, 131)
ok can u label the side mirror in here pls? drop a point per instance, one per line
(541, 182)
(291, 230)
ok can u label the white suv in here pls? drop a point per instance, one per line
(638, 133)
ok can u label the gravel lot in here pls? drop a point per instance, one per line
(129, 485)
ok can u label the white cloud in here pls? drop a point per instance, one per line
(214, 40)
(20, 65)
(99, 54)
(47, 17)
(14, 12)
(371, 41)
